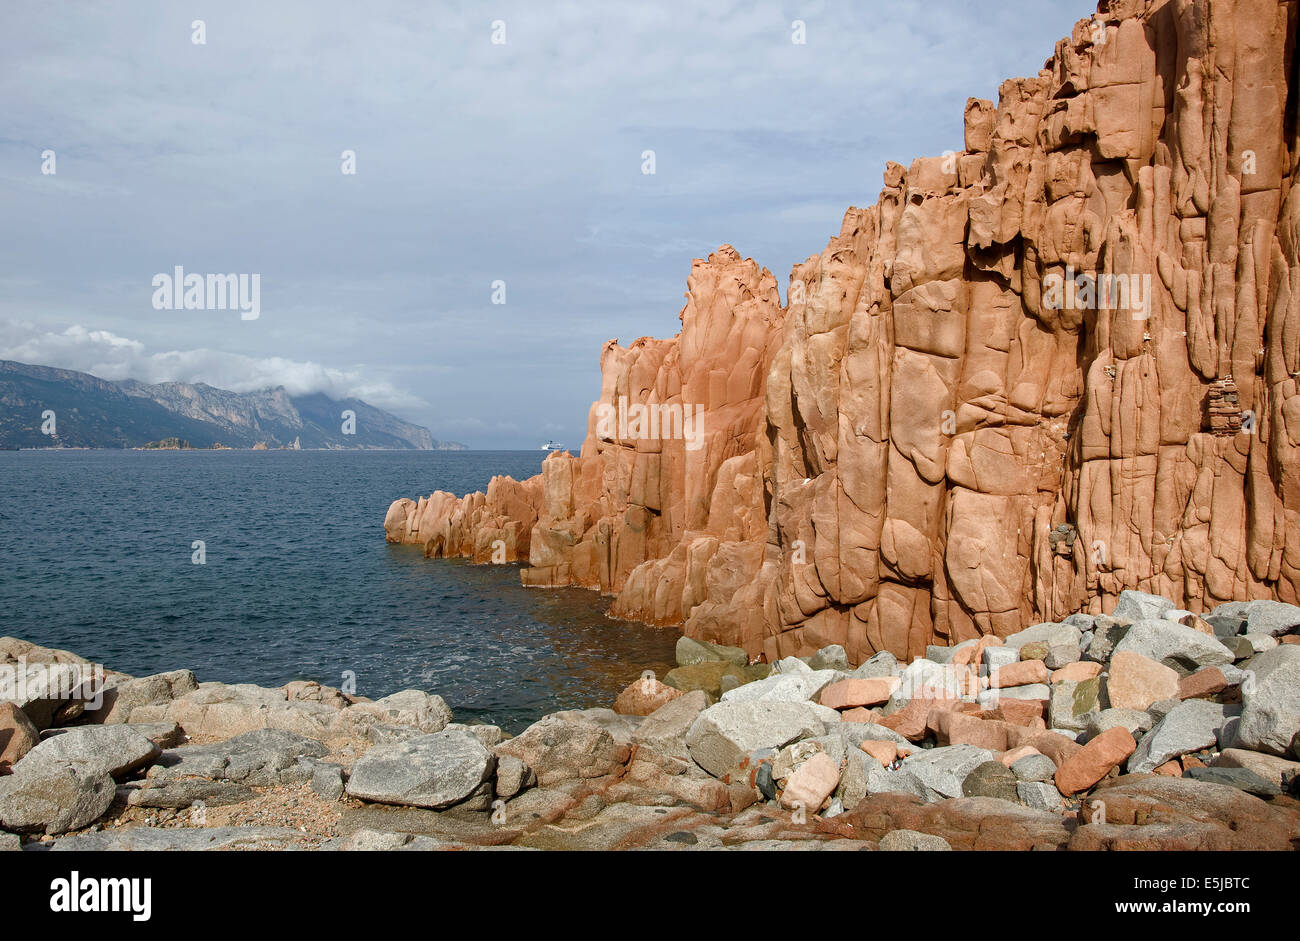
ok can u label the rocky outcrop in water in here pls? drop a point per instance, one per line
(1056, 364)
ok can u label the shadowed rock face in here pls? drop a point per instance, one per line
(940, 436)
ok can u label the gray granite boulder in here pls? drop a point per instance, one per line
(943, 771)
(724, 734)
(1270, 696)
(115, 750)
(52, 798)
(433, 771)
(1140, 605)
(1191, 726)
(1183, 648)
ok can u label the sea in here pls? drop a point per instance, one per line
(270, 566)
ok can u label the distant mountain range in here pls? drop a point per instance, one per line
(90, 412)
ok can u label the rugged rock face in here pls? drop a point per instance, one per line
(1058, 364)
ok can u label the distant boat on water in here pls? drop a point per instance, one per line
(552, 446)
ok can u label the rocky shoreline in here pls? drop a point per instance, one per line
(1149, 728)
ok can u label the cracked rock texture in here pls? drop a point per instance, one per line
(936, 437)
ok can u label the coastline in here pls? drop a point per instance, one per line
(1152, 728)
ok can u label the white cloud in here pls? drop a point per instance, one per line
(109, 356)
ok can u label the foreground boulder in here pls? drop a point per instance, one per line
(722, 736)
(142, 699)
(644, 696)
(565, 746)
(52, 798)
(182, 839)
(965, 823)
(433, 771)
(1177, 646)
(48, 693)
(1095, 760)
(221, 710)
(224, 772)
(113, 750)
(1155, 812)
(1270, 713)
(17, 735)
(1188, 727)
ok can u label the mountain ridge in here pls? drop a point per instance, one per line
(92, 412)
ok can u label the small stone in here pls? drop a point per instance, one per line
(1061, 655)
(1076, 672)
(1055, 746)
(642, 697)
(784, 687)
(847, 694)
(1074, 704)
(707, 676)
(327, 781)
(882, 664)
(811, 784)
(911, 840)
(831, 657)
(1240, 646)
(1034, 767)
(996, 657)
(990, 779)
(1135, 720)
(1139, 605)
(1024, 673)
(861, 714)
(1009, 758)
(1260, 642)
(17, 735)
(513, 776)
(996, 698)
(1095, 760)
(1135, 681)
(1049, 633)
(1107, 633)
(942, 771)
(1203, 684)
(884, 752)
(1039, 795)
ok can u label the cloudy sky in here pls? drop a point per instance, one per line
(475, 162)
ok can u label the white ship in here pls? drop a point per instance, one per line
(552, 446)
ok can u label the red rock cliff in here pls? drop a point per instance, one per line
(1060, 363)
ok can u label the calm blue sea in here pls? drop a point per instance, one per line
(95, 557)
